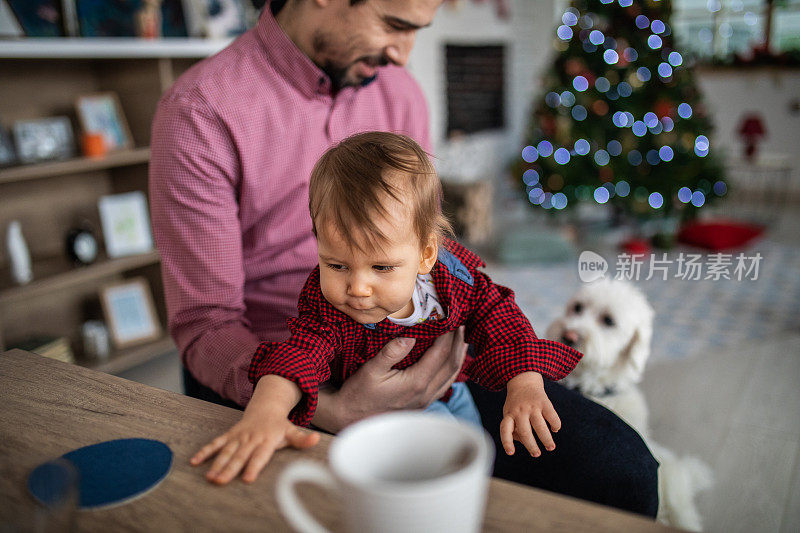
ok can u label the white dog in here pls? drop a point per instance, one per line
(611, 323)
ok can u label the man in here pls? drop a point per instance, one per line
(233, 145)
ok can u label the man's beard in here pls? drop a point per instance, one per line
(337, 72)
(339, 78)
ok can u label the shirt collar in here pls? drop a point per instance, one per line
(443, 281)
(284, 55)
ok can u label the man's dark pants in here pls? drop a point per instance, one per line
(597, 457)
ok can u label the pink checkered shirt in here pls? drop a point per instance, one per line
(233, 144)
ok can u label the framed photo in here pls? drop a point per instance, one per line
(116, 18)
(38, 18)
(8, 156)
(216, 19)
(101, 113)
(126, 224)
(129, 312)
(9, 25)
(44, 138)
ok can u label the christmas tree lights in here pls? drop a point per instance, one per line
(621, 120)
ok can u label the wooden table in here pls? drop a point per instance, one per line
(48, 408)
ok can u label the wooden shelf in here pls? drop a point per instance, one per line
(745, 70)
(50, 169)
(41, 76)
(128, 358)
(109, 48)
(56, 274)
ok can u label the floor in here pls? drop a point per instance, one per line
(721, 382)
(738, 409)
(731, 399)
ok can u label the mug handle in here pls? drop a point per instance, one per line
(294, 511)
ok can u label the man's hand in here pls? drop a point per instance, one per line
(527, 406)
(377, 388)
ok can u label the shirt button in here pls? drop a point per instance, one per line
(324, 86)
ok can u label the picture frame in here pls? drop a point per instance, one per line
(9, 25)
(8, 154)
(102, 113)
(38, 18)
(216, 19)
(129, 312)
(44, 138)
(103, 18)
(126, 224)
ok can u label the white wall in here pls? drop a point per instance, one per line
(732, 93)
(527, 34)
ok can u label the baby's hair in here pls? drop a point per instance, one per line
(352, 180)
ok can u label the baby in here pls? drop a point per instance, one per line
(387, 270)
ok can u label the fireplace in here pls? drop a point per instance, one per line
(475, 88)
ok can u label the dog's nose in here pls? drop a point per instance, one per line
(570, 338)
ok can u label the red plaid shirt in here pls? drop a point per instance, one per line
(326, 344)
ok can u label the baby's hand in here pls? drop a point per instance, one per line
(251, 442)
(527, 406)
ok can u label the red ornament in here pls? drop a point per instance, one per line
(548, 125)
(664, 108)
(590, 77)
(751, 130)
(600, 107)
(636, 246)
(573, 66)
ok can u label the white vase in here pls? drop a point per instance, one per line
(18, 254)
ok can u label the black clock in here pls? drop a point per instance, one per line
(82, 246)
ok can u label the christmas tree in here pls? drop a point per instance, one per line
(620, 120)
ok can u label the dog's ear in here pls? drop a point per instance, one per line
(638, 349)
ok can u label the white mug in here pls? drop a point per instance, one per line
(399, 472)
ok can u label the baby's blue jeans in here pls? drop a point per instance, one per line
(460, 405)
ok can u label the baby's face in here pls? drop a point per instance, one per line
(368, 286)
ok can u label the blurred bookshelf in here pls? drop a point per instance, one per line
(75, 165)
(122, 360)
(57, 274)
(44, 77)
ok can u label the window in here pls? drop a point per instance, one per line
(716, 29)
